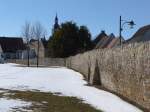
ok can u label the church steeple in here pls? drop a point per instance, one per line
(56, 25)
(56, 19)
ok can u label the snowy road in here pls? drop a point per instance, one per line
(65, 81)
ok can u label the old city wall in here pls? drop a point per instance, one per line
(123, 70)
(42, 61)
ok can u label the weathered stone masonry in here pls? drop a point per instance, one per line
(125, 70)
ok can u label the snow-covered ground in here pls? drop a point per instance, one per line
(63, 80)
(7, 105)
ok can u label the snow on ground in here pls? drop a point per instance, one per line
(7, 105)
(63, 80)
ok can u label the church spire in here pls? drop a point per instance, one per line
(56, 19)
(56, 25)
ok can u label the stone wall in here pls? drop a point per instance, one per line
(124, 70)
(42, 61)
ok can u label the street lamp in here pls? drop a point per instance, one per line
(122, 23)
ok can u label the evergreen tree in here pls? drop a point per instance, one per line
(69, 40)
(85, 38)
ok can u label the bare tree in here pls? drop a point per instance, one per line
(33, 31)
(39, 32)
(26, 34)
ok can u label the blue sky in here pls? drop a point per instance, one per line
(97, 15)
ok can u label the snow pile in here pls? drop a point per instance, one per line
(7, 105)
(63, 80)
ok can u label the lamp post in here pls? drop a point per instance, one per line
(121, 24)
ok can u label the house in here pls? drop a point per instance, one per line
(99, 37)
(12, 47)
(104, 42)
(107, 41)
(15, 48)
(114, 43)
(34, 47)
(24, 54)
(142, 35)
(45, 44)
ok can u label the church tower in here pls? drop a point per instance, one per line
(56, 25)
